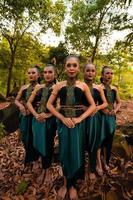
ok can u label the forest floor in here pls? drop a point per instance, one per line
(18, 184)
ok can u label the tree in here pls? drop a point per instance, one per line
(17, 17)
(124, 21)
(90, 22)
(57, 56)
(120, 58)
(29, 53)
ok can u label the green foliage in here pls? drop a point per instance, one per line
(58, 53)
(17, 17)
(92, 21)
(29, 52)
(22, 187)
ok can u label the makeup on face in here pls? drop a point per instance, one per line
(89, 72)
(49, 74)
(107, 75)
(33, 74)
(72, 67)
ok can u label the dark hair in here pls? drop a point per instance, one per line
(104, 68)
(71, 56)
(102, 72)
(89, 63)
(51, 65)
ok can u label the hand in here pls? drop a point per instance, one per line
(27, 112)
(39, 118)
(106, 111)
(76, 120)
(46, 115)
(95, 111)
(112, 112)
(22, 109)
(68, 122)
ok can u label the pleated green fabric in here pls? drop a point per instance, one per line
(71, 147)
(108, 126)
(93, 126)
(24, 128)
(40, 131)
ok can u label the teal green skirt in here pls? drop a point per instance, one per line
(24, 126)
(93, 129)
(71, 147)
(40, 131)
(108, 126)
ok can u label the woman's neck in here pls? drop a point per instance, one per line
(71, 81)
(106, 83)
(49, 83)
(89, 82)
(33, 83)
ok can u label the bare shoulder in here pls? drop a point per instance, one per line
(82, 85)
(101, 86)
(96, 86)
(114, 88)
(24, 87)
(38, 87)
(59, 85)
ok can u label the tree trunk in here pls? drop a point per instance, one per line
(10, 75)
(95, 49)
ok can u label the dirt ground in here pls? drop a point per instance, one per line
(16, 183)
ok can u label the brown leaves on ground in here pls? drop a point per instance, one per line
(125, 115)
(17, 183)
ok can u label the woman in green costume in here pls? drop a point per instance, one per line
(109, 113)
(43, 123)
(26, 117)
(93, 122)
(71, 125)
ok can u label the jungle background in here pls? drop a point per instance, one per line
(100, 30)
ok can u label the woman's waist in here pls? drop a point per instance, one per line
(72, 110)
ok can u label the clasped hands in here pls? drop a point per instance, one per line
(42, 116)
(71, 122)
(109, 112)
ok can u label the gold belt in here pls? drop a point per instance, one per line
(70, 111)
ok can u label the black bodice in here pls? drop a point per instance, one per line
(77, 97)
(41, 99)
(112, 97)
(75, 108)
(96, 96)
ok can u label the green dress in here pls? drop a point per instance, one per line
(108, 123)
(93, 131)
(44, 132)
(71, 140)
(25, 127)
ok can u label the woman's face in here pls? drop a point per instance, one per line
(107, 75)
(49, 74)
(33, 74)
(90, 72)
(72, 67)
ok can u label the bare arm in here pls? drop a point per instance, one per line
(40, 117)
(51, 100)
(104, 104)
(30, 101)
(67, 121)
(18, 102)
(118, 102)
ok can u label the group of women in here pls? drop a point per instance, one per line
(82, 112)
